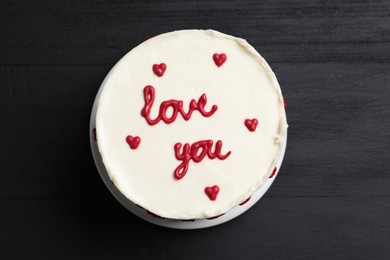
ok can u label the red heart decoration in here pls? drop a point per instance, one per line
(133, 141)
(272, 173)
(251, 124)
(219, 59)
(159, 69)
(212, 192)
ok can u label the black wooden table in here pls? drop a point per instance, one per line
(331, 199)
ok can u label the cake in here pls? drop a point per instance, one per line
(189, 124)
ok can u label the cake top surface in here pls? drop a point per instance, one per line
(190, 123)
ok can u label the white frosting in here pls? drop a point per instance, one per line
(244, 87)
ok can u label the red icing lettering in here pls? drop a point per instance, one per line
(196, 152)
(176, 105)
(219, 59)
(212, 192)
(251, 124)
(159, 69)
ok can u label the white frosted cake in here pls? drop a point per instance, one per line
(190, 124)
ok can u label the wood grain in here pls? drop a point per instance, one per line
(332, 197)
(100, 32)
(275, 228)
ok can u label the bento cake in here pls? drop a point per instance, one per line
(190, 123)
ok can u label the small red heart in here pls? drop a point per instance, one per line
(251, 124)
(133, 141)
(272, 173)
(159, 69)
(212, 192)
(219, 59)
